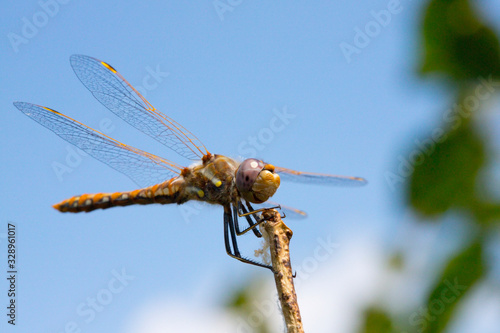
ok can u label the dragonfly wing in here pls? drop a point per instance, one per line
(318, 178)
(111, 89)
(290, 212)
(143, 168)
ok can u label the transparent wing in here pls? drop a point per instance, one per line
(290, 212)
(114, 92)
(318, 178)
(143, 168)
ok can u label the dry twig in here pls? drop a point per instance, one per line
(279, 238)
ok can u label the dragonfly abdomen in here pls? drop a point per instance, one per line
(164, 193)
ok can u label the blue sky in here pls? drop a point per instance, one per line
(225, 76)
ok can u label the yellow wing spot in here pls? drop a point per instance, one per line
(51, 110)
(218, 183)
(200, 193)
(108, 66)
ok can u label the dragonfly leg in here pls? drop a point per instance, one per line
(253, 212)
(278, 206)
(242, 208)
(229, 226)
(229, 230)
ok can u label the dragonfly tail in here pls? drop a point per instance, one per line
(164, 193)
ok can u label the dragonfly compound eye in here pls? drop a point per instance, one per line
(256, 181)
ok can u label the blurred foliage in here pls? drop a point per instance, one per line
(459, 46)
(457, 42)
(396, 261)
(448, 177)
(377, 321)
(243, 302)
(460, 274)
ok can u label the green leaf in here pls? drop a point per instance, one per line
(446, 175)
(457, 42)
(240, 299)
(486, 213)
(460, 274)
(376, 321)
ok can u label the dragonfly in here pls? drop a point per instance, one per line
(215, 179)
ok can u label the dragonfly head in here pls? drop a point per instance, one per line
(256, 181)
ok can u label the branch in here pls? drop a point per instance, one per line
(279, 239)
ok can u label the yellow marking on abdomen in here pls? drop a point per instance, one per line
(159, 191)
(73, 200)
(154, 189)
(98, 197)
(115, 196)
(172, 187)
(134, 193)
(82, 199)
